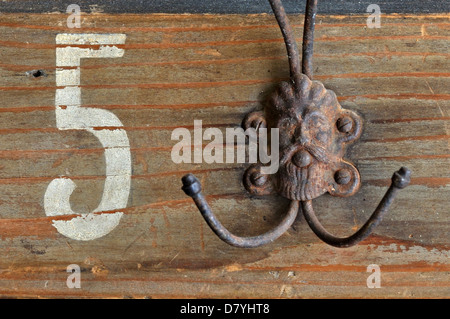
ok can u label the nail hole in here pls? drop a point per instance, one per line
(36, 73)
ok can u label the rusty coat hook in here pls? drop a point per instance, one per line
(314, 132)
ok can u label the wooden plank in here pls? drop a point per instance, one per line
(217, 68)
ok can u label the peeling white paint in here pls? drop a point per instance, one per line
(88, 226)
(71, 116)
(413, 253)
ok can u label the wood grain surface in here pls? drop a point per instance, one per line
(217, 68)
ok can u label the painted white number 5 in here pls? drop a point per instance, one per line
(71, 116)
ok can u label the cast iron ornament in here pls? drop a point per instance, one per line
(314, 131)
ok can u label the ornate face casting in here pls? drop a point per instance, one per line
(314, 131)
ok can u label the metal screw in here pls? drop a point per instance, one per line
(344, 124)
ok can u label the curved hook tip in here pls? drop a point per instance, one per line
(191, 185)
(401, 178)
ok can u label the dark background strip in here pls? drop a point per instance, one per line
(223, 6)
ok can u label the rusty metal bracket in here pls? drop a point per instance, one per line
(314, 131)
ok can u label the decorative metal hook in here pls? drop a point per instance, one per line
(314, 132)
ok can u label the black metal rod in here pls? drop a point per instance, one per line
(192, 188)
(400, 180)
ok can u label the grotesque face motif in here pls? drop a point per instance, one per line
(313, 133)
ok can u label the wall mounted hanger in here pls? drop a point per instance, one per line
(314, 133)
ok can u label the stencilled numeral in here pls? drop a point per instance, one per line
(103, 124)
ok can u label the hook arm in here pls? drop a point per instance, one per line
(306, 66)
(308, 38)
(400, 180)
(192, 188)
(289, 39)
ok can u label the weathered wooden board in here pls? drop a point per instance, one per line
(217, 68)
